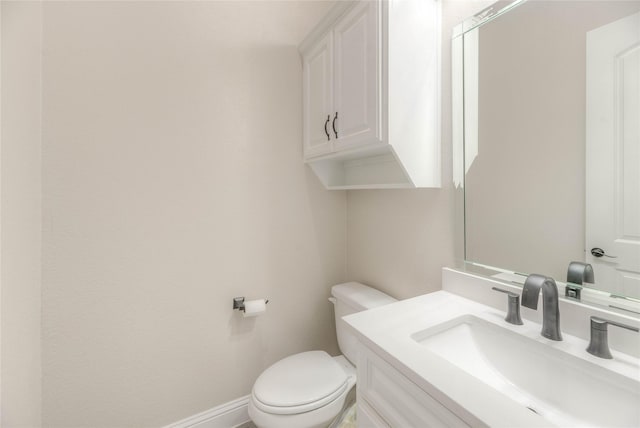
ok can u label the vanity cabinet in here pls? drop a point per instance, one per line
(387, 398)
(371, 95)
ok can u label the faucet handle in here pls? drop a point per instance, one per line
(599, 341)
(601, 324)
(513, 306)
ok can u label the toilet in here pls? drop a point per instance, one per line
(309, 390)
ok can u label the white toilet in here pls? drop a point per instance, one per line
(308, 390)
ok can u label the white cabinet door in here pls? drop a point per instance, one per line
(356, 119)
(396, 399)
(318, 98)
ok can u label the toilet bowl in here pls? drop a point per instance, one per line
(304, 390)
(310, 389)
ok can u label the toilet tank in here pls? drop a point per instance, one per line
(350, 298)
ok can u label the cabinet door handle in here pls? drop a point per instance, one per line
(325, 127)
(333, 125)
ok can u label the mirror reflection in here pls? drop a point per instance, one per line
(552, 142)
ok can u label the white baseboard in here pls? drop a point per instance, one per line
(226, 415)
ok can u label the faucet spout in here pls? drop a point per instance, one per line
(550, 311)
(579, 273)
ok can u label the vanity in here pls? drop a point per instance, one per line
(446, 360)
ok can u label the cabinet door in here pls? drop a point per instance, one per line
(317, 70)
(396, 398)
(357, 77)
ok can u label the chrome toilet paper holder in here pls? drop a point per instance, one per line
(238, 303)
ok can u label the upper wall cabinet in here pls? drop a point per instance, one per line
(371, 88)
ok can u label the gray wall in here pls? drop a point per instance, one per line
(173, 182)
(21, 225)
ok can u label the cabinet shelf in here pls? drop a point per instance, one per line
(372, 168)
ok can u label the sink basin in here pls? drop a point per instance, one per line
(562, 388)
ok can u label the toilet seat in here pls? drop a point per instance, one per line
(300, 383)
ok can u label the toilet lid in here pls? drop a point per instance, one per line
(299, 383)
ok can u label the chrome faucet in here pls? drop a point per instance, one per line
(550, 312)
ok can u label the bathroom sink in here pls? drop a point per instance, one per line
(563, 389)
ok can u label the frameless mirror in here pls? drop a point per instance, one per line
(547, 106)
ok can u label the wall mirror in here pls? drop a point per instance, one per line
(546, 98)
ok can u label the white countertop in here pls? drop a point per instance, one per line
(387, 330)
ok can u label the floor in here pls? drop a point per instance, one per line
(348, 417)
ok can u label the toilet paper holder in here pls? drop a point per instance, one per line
(238, 303)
